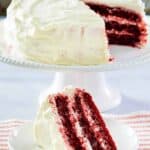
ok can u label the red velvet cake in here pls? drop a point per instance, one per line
(71, 121)
(124, 19)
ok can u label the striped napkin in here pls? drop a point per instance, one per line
(140, 122)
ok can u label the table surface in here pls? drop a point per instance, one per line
(20, 88)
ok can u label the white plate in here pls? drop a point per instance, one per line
(125, 57)
(124, 136)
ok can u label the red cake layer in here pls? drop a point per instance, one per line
(92, 122)
(120, 19)
(80, 109)
(123, 39)
(115, 11)
(84, 123)
(63, 111)
(114, 25)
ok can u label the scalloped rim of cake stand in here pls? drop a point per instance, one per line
(143, 59)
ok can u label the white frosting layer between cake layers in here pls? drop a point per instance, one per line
(135, 5)
(57, 31)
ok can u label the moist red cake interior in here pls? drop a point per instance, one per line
(63, 111)
(123, 27)
(89, 118)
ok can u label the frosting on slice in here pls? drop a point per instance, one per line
(71, 118)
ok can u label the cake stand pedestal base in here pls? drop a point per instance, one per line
(105, 97)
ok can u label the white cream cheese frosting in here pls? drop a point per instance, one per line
(47, 124)
(57, 32)
(135, 5)
(46, 130)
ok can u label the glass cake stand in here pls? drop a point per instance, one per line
(91, 78)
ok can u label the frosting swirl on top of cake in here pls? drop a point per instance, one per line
(47, 12)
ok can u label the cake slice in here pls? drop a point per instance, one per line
(62, 32)
(70, 121)
(124, 19)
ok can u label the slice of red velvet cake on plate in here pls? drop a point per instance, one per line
(125, 20)
(70, 121)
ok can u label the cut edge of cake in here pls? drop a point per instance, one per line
(125, 21)
(72, 120)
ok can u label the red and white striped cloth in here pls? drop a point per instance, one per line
(140, 122)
